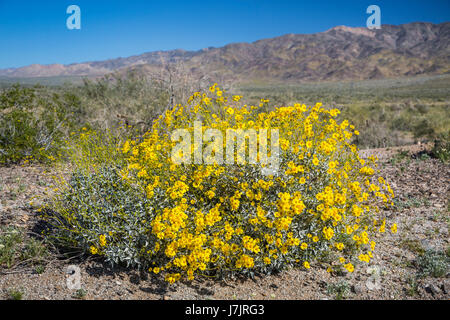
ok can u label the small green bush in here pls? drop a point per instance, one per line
(10, 239)
(340, 289)
(15, 294)
(17, 249)
(441, 149)
(413, 287)
(132, 99)
(32, 123)
(80, 294)
(101, 204)
(433, 263)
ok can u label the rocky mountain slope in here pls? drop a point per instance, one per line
(339, 53)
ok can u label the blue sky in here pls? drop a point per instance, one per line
(36, 32)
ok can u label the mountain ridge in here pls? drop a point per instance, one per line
(353, 53)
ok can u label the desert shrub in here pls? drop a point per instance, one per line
(17, 249)
(433, 263)
(441, 148)
(130, 98)
(89, 148)
(197, 218)
(423, 129)
(97, 205)
(92, 193)
(340, 289)
(15, 294)
(32, 124)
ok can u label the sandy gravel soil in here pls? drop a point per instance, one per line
(422, 189)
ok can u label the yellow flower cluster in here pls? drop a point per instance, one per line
(234, 217)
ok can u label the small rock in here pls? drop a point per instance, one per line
(166, 298)
(433, 289)
(375, 270)
(395, 251)
(358, 288)
(446, 287)
(373, 284)
(427, 245)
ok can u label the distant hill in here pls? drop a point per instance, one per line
(341, 53)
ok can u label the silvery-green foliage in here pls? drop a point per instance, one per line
(102, 203)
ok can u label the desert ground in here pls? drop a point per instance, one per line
(406, 265)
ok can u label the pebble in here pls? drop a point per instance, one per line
(432, 288)
(373, 284)
(427, 245)
(358, 288)
(446, 287)
(375, 270)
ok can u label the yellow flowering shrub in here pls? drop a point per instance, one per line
(323, 199)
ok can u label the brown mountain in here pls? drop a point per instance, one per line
(339, 53)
